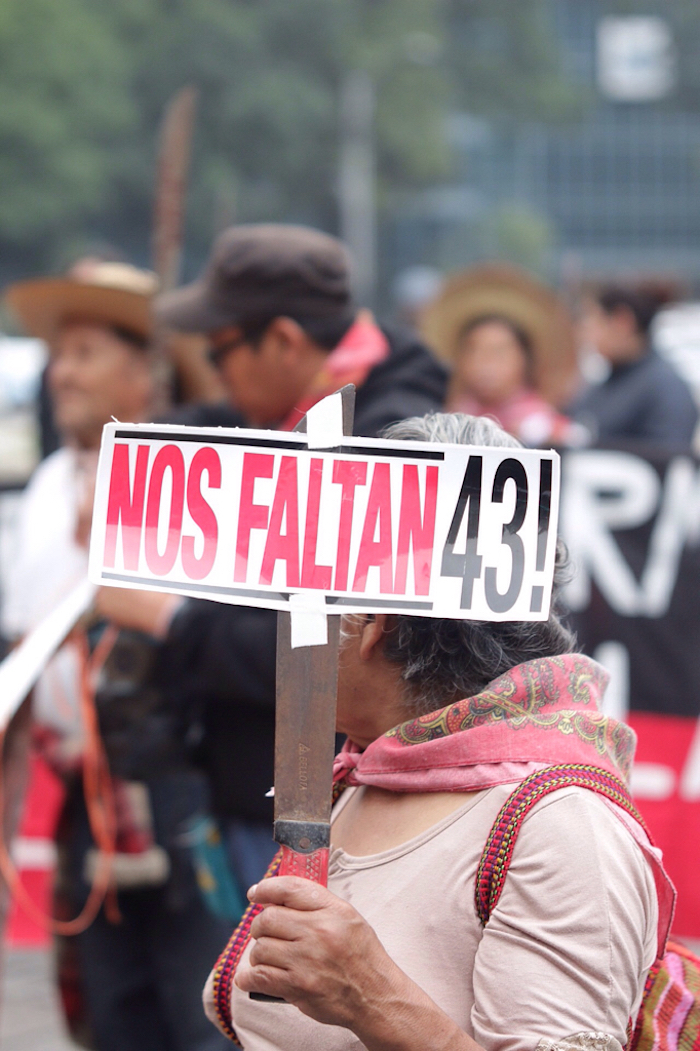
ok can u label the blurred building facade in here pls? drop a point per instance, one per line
(615, 189)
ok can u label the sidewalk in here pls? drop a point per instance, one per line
(29, 1014)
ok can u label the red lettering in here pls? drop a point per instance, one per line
(251, 516)
(169, 458)
(376, 552)
(312, 575)
(206, 459)
(279, 545)
(349, 474)
(125, 505)
(416, 530)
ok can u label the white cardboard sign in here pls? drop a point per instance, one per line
(256, 517)
(23, 666)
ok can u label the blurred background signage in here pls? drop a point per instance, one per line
(631, 521)
(636, 59)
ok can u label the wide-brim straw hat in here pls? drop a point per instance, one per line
(512, 293)
(115, 294)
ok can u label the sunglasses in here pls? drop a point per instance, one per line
(216, 354)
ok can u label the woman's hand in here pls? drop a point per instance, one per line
(316, 952)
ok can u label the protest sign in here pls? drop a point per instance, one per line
(256, 517)
(22, 667)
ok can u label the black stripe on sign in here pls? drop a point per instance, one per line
(377, 603)
(536, 598)
(274, 443)
(222, 439)
(212, 589)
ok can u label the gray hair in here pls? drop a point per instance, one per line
(445, 659)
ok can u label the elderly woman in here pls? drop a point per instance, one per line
(444, 720)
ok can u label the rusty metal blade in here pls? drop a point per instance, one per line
(347, 396)
(307, 682)
(307, 685)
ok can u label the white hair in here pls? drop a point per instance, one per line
(445, 658)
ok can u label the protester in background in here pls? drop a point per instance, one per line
(510, 344)
(193, 378)
(139, 977)
(493, 376)
(643, 398)
(445, 720)
(275, 302)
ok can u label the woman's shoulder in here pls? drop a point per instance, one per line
(576, 920)
(581, 814)
(587, 839)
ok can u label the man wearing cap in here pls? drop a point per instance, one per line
(275, 303)
(139, 978)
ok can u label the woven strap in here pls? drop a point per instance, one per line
(497, 854)
(225, 968)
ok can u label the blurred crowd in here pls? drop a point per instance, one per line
(184, 689)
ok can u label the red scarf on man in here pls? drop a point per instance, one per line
(363, 347)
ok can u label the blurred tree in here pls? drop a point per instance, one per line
(504, 61)
(83, 87)
(269, 74)
(63, 102)
(521, 236)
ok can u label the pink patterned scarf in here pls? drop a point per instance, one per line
(540, 713)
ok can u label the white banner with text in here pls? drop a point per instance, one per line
(256, 517)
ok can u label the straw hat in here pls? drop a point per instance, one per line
(505, 290)
(107, 293)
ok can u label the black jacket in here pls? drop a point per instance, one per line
(645, 400)
(221, 659)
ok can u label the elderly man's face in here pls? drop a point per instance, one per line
(94, 375)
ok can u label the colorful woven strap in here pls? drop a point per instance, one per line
(227, 963)
(497, 854)
(225, 969)
(669, 1018)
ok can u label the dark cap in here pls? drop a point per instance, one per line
(271, 269)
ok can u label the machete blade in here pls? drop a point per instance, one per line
(307, 687)
(307, 684)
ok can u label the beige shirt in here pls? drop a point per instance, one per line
(566, 949)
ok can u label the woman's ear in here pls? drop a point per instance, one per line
(372, 635)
